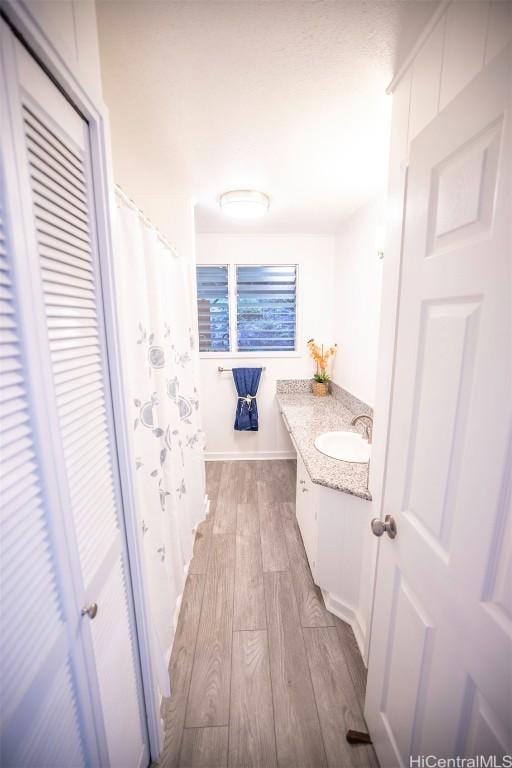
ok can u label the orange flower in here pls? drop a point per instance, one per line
(320, 356)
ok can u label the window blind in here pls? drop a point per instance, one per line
(213, 308)
(266, 308)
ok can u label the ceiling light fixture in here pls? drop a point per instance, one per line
(244, 204)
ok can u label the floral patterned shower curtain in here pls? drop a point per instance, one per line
(158, 332)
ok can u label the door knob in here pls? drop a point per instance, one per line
(388, 526)
(90, 610)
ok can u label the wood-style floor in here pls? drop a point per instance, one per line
(261, 673)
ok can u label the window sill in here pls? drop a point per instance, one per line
(246, 355)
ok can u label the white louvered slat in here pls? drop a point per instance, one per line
(95, 471)
(65, 349)
(29, 503)
(55, 242)
(68, 338)
(11, 436)
(46, 182)
(63, 368)
(55, 226)
(59, 717)
(54, 196)
(34, 123)
(70, 295)
(62, 217)
(71, 411)
(56, 293)
(60, 235)
(70, 260)
(20, 501)
(69, 391)
(51, 157)
(79, 424)
(45, 171)
(66, 379)
(74, 432)
(10, 378)
(30, 600)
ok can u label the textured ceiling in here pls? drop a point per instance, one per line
(285, 97)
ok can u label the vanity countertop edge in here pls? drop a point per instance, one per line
(308, 416)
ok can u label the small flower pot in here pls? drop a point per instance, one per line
(320, 389)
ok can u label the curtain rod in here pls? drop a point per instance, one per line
(127, 200)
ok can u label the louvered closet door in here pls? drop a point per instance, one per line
(40, 699)
(57, 149)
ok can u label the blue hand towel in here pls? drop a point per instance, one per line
(246, 383)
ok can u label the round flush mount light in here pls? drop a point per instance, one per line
(244, 204)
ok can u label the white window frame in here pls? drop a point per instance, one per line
(219, 353)
(233, 313)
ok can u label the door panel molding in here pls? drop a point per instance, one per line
(449, 453)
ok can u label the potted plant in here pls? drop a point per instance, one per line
(321, 358)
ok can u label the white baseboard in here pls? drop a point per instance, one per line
(248, 456)
(347, 614)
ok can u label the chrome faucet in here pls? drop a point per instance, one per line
(368, 427)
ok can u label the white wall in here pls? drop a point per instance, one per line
(314, 255)
(357, 286)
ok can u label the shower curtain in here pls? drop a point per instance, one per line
(157, 323)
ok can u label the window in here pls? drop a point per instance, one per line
(265, 315)
(260, 308)
(213, 309)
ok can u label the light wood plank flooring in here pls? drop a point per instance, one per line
(262, 674)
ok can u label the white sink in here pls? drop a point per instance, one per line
(345, 446)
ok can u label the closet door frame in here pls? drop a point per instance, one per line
(18, 17)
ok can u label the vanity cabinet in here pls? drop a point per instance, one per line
(306, 506)
(335, 529)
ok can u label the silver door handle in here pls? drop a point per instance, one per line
(304, 490)
(90, 610)
(388, 526)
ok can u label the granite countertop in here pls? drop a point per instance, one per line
(309, 416)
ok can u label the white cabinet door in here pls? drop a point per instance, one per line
(71, 370)
(440, 671)
(306, 512)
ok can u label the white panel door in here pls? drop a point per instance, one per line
(52, 151)
(440, 672)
